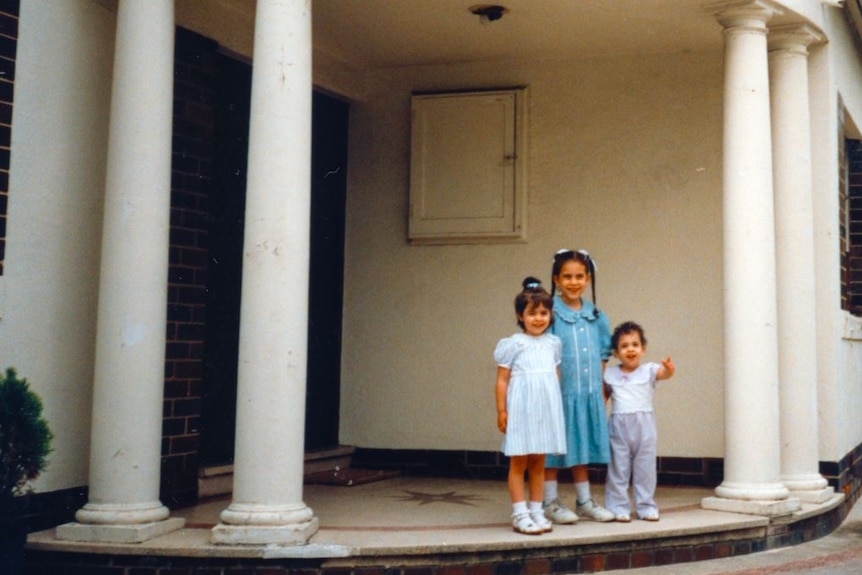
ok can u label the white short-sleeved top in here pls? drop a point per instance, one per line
(632, 392)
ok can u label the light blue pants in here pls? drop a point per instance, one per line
(633, 439)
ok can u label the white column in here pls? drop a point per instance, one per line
(126, 435)
(794, 235)
(752, 449)
(267, 504)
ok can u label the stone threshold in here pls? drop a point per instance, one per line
(217, 480)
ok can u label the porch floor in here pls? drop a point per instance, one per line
(420, 520)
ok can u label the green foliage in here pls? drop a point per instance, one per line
(25, 439)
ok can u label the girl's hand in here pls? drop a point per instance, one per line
(502, 420)
(667, 369)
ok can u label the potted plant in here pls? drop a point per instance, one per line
(25, 442)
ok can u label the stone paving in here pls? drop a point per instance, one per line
(461, 527)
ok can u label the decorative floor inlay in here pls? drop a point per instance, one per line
(449, 497)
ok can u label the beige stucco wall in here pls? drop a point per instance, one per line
(625, 161)
(50, 280)
(835, 70)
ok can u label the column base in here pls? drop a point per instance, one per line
(766, 508)
(773, 491)
(122, 513)
(808, 488)
(293, 534)
(816, 496)
(101, 533)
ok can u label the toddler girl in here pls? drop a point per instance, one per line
(631, 386)
(529, 406)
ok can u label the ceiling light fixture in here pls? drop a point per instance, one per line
(490, 12)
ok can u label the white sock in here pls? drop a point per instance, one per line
(583, 491)
(549, 489)
(519, 508)
(535, 507)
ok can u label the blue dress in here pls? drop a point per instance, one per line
(586, 344)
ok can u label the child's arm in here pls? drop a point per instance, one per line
(666, 370)
(606, 390)
(501, 388)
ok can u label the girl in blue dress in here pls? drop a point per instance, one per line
(586, 336)
(529, 405)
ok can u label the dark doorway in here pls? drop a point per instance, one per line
(328, 180)
(224, 276)
(328, 188)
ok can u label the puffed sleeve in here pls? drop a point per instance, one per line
(504, 354)
(558, 349)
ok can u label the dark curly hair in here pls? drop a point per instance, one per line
(625, 328)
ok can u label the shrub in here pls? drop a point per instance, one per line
(25, 439)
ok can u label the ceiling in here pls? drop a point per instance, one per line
(391, 33)
(386, 33)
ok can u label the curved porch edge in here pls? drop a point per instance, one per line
(433, 526)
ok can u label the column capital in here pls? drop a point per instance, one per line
(749, 14)
(794, 38)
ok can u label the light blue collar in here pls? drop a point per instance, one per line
(569, 315)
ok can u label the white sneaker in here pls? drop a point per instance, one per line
(541, 521)
(558, 513)
(595, 511)
(523, 523)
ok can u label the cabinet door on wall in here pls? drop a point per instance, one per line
(468, 167)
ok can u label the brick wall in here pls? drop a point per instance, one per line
(852, 257)
(844, 475)
(691, 471)
(843, 209)
(8, 52)
(194, 120)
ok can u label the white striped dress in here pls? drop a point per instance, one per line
(535, 406)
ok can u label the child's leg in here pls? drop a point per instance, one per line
(644, 474)
(619, 469)
(535, 481)
(517, 466)
(581, 477)
(536, 475)
(554, 510)
(581, 474)
(522, 520)
(585, 505)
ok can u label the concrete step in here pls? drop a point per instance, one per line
(218, 479)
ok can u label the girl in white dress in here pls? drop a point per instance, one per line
(529, 404)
